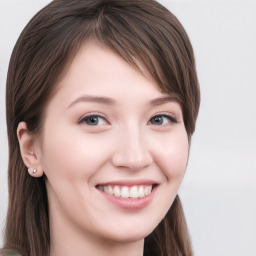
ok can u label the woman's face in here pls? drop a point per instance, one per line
(113, 147)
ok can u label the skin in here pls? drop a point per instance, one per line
(125, 144)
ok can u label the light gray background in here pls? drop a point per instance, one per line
(219, 189)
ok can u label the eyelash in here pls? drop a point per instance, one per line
(84, 118)
(169, 117)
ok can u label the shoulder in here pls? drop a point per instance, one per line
(9, 252)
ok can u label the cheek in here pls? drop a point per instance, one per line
(171, 159)
(172, 155)
(72, 156)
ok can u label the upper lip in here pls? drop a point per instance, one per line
(129, 182)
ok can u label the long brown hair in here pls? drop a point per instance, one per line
(140, 31)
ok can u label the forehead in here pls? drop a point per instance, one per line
(95, 65)
(99, 72)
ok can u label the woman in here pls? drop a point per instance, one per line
(102, 99)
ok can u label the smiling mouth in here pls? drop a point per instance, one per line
(127, 192)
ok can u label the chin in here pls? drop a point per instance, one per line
(133, 234)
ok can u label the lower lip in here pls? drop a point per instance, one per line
(130, 203)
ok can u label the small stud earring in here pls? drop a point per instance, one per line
(32, 171)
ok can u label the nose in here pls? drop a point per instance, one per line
(132, 151)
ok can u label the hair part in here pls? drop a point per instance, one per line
(139, 31)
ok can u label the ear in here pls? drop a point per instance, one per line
(28, 150)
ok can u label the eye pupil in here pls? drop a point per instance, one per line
(157, 120)
(92, 120)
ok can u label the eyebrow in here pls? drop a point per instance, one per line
(162, 100)
(109, 101)
(96, 99)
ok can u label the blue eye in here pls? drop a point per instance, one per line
(93, 120)
(162, 119)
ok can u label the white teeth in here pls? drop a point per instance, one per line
(134, 193)
(141, 192)
(117, 191)
(127, 192)
(110, 190)
(148, 190)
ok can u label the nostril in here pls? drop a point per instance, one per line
(132, 162)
